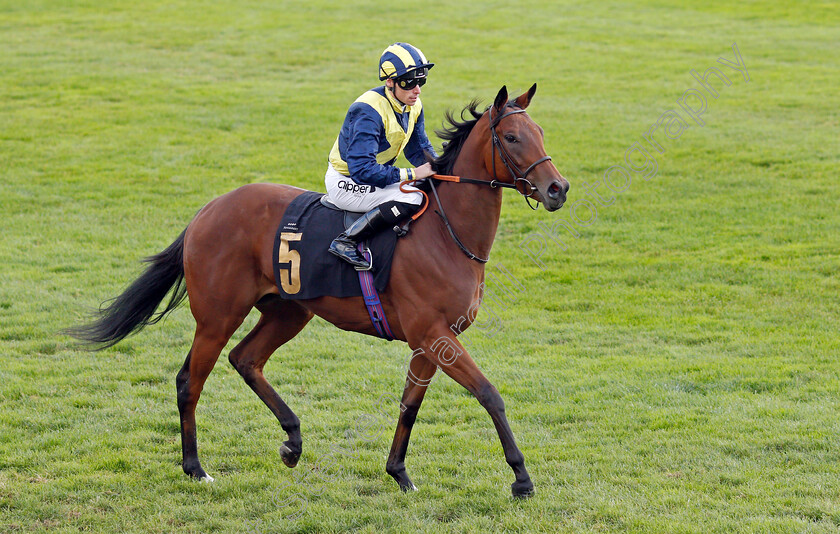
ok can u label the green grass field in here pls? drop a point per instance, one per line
(675, 369)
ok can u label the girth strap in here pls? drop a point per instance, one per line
(372, 302)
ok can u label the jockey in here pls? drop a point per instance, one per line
(380, 125)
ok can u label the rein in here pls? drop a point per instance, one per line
(458, 242)
(507, 160)
(459, 180)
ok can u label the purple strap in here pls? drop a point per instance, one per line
(374, 306)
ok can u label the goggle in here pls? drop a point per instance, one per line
(411, 83)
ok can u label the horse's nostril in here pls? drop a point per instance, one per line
(554, 191)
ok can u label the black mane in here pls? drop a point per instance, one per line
(454, 136)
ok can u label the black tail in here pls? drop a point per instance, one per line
(135, 307)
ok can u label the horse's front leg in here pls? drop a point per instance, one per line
(419, 375)
(445, 351)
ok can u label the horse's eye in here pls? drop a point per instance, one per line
(510, 139)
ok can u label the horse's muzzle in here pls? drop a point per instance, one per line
(555, 195)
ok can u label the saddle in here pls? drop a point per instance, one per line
(352, 216)
(303, 267)
(349, 216)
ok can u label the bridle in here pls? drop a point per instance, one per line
(519, 177)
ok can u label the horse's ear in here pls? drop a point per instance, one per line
(501, 99)
(525, 98)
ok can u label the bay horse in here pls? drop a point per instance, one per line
(223, 261)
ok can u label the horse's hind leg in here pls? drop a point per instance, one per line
(280, 321)
(208, 343)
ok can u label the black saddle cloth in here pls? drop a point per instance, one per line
(303, 267)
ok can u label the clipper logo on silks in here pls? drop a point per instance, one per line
(353, 187)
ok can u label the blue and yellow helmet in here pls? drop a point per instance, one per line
(400, 59)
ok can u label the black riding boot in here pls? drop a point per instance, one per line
(387, 215)
(345, 245)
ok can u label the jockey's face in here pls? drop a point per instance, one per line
(406, 96)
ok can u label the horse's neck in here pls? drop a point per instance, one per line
(473, 210)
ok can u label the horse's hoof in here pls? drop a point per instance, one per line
(522, 490)
(195, 472)
(289, 458)
(207, 478)
(401, 477)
